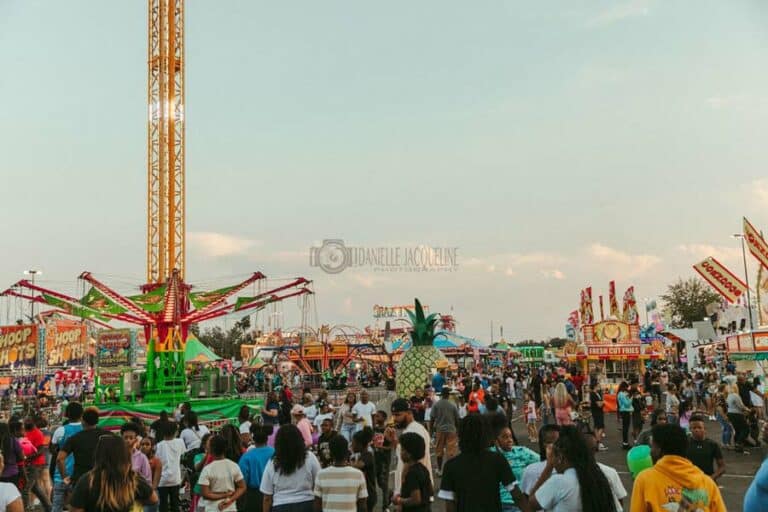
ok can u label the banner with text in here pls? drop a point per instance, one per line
(18, 345)
(756, 244)
(65, 343)
(113, 348)
(721, 279)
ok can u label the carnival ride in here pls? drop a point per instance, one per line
(167, 306)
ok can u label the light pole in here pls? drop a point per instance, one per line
(746, 279)
(33, 273)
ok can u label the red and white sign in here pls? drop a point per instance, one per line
(623, 350)
(756, 244)
(721, 279)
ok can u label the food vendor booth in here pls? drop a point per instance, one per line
(748, 350)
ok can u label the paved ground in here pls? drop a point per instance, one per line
(739, 473)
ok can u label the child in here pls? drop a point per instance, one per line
(148, 449)
(252, 464)
(417, 485)
(221, 481)
(340, 486)
(362, 459)
(531, 418)
(462, 407)
(169, 451)
(382, 454)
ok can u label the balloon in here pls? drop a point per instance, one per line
(639, 458)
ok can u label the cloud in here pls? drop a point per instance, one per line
(509, 272)
(216, 245)
(621, 262)
(553, 274)
(719, 252)
(620, 12)
(759, 190)
(367, 280)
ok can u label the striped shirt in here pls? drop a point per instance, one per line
(340, 488)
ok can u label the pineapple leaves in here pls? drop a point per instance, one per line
(423, 329)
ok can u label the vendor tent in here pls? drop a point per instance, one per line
(196, 352)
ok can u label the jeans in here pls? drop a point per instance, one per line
(383, 460)
(254, 500)
(727, 430)
(625, 422)
(60, 492)
(348, 430)
(35, 484)
(304, 506)
(167, 494)
(741, 427)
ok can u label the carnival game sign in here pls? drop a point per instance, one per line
(721, 279)
(393, 311)
(65, 343)
(114, 348)
(18, 345)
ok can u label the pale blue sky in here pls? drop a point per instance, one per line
(557, 144)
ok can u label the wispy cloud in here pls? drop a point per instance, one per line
(368, 280)
(758, 189)
(623, 263)
(620, 12)
(553, 274)
(216, 245)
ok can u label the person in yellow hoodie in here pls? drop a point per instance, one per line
(674, 484)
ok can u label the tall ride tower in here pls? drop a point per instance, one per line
(165, 142)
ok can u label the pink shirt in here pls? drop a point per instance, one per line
(140, 465)
(305, 427)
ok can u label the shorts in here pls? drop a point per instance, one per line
(448, 441)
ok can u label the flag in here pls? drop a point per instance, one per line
(573, 319)
(613, 305)
(96, 300)
(244, 301)
(202, 299)
(72, 308)
(602, 311)
(588, 316)
(756, 244)
(629, 312)
(152, 301)
(721, 279)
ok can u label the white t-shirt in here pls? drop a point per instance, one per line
(169, 453)
(560, 493)
(417, 428)
(365, 411)
(531, 410)
(220, 476)
(297, 487)
(310, 412)
(619, 492)
(319, 419)
(245, 427)
(8, 494)
(531, 476)
(192, 438)
(340, 488)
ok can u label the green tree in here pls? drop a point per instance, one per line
(686, 301)
(226, 344)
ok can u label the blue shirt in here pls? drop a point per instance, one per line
(252, 464)
(757, 494)
(518, 458)
(625, 403)
(438, 381)
(70, 430)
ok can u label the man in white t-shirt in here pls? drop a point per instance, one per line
(169, 451)
(363, 411)
(340, 487)
(403, 418)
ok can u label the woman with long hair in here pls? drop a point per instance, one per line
(624, 402)
(271, 410)
(737, 412)
(721, 414)
(346, 425)
(563, 403)
(289, 478)
(12, 455)
(234, 442)
(193, 434)
(579, 484)
(111, 486)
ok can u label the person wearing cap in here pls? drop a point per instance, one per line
(444, 421)
(402, 415)
(303, 424)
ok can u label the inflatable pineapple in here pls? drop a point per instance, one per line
(418, 361)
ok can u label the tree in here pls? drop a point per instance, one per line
(686, 301)
(225, 343)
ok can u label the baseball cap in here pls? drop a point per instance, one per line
(297, 409)
(400, 405)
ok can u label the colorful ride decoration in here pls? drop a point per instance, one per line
(164, 311)
(418, 361)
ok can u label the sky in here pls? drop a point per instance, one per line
(556, 145)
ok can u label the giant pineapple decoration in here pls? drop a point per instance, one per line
(418, 361)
